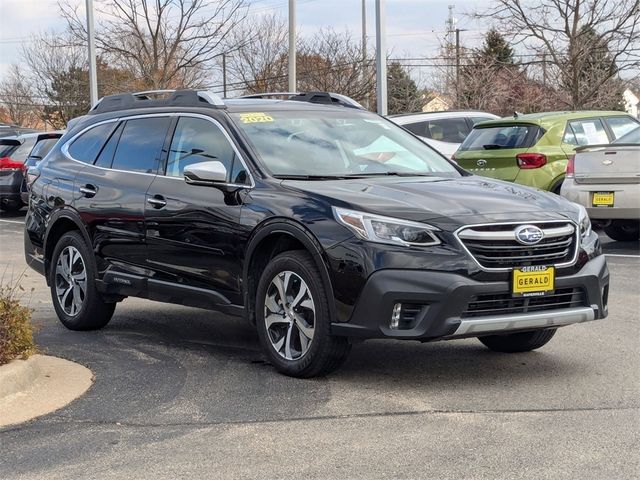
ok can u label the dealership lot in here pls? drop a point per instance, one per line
(186, 392)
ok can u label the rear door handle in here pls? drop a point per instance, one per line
(157, 201)
(88, 190)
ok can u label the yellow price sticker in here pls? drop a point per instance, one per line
(255, 117)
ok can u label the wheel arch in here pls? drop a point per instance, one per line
(61, 222)
(271, 238)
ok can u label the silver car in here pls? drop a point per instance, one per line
(605, 179)
(444, 131)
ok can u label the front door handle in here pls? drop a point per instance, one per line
(88, 190)
(157, 201)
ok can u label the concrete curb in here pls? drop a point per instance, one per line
(40, 385)
(17, 375)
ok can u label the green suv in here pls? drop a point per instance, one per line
(533, 149)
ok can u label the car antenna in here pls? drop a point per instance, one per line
(516, 114)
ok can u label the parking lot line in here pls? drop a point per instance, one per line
(621, 255)
(11, 221)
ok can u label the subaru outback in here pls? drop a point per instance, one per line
(320, 223)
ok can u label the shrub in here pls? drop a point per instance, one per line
(16, 332)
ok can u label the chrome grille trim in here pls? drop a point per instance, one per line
(475, 233)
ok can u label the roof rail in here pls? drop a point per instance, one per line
(326, 98)
(184, 98)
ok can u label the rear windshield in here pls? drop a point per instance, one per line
(502, 137)
(7, 148)
(42, 147)
(632, 137)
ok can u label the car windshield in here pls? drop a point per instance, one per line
(349, 143)
(632, 137)
(501, 137)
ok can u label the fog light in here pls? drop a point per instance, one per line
(395, 316)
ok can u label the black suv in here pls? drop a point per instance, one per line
(317, 221)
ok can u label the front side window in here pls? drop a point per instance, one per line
(346, 143)
(620, 126)
(198, 140)
(585, 132)
(140, 145)
(86, 147)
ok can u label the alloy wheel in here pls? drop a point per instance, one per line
(289, 315)
(71, 280)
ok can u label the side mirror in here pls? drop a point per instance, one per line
(205, 173)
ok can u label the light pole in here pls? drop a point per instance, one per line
(292, 46)
(381, 59)
(93, 74)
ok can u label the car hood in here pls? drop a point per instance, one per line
(453, 201)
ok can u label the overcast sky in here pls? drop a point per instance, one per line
(414, 27)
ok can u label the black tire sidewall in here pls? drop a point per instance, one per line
(84, 319)
(302, 264)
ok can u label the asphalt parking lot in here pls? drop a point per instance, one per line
(182, 392)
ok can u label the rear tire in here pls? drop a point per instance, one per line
(72, 274)
(518, 342)
(293, 319)
(623, 230)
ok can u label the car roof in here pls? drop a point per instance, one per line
(408, 117)
(550, 118)
(239, 105)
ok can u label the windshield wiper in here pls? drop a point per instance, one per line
(492, 146)
(312, 177)
(395, 174)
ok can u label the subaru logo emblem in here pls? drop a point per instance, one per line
(481, 163)
(607, 162)
(529, 234)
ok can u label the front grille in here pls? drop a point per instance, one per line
(505, 304)
(496, 247)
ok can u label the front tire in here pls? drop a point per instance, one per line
(518, 342)
(293, 319)
(77, 302)
(623, 230)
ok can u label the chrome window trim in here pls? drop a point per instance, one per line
(517, 224)
(65, 148)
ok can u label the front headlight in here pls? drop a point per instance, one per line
(394, 231)
(583, 221)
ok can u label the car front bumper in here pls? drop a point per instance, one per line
(626, 201)
(440, 305)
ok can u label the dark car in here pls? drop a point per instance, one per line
(320, 224)
(7, 130)
(17, 154)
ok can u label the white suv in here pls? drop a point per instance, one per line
(444, 131)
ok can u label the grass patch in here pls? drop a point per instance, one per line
(16, 330)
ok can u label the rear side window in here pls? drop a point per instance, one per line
(589, 131)
(140, 145)
(85, 148)
(197, 140)
(620, 126)
(502, 137)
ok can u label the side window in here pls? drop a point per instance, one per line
(585, 132)
(106, 155)
(198, 140)
(418, 128)
(620, 126)
(140, 145)
(451, 130)
(85, 148)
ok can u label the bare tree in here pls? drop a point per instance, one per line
(164, 43)
(258, 54)
(582, 44)
(17, 99)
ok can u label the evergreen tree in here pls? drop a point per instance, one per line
(403, 93)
